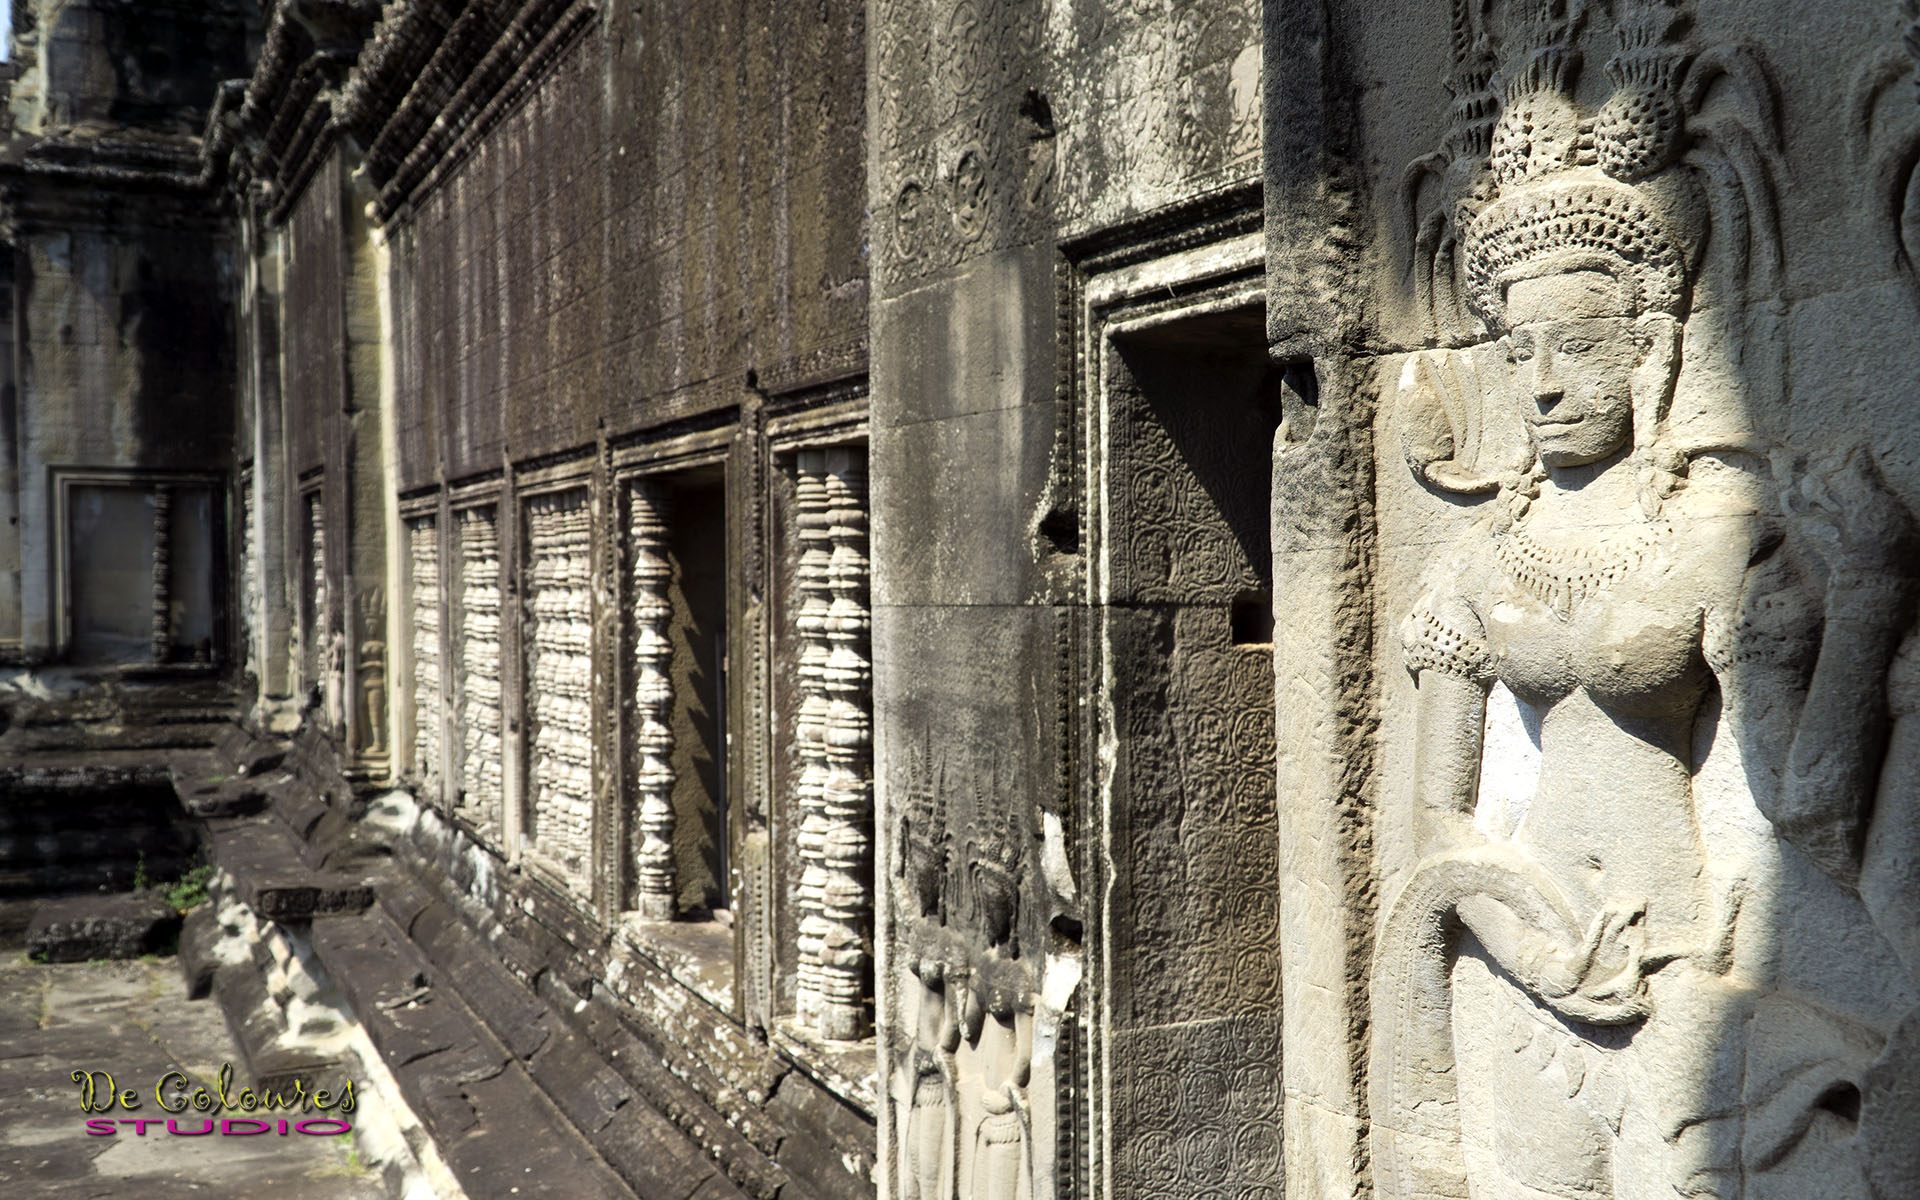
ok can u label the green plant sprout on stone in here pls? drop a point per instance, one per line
(190, 890)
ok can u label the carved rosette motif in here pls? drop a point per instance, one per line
(655, 885)
(423, 550)
(846, 800)
(478, 597)
(559, 683)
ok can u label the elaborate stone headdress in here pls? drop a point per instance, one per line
(1565, 196)
(1588, 222)
(1530, 183)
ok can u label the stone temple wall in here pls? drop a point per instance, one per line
(1014, 599)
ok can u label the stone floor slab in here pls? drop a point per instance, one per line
(133, 1019)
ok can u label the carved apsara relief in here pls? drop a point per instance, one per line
(370, 740)
(975, 999)
(1664, 947)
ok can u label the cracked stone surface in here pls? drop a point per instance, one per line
(133, 1019)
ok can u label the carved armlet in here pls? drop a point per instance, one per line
(1778, 630)
(1432, 644)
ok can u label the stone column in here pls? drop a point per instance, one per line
(162, 565)
(655, 886)
(813, 602)
(846, 802)
(834, 736)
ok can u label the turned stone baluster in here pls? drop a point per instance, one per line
(162, 585)
(847, 801)
(316, 590)
(655, 884)
(424, 547)
(481, 752)
(559, 672)
(814, 601)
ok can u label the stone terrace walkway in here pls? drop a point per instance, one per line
(133, 1019)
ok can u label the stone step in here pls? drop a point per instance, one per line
(95, 843)
(27, 809)
(85, 928)
(92, 877)
(70, 831)
(271, 877)
(610, 1084)
(465, 1085)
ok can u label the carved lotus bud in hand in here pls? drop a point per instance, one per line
(1604, 981)
(1846, 512)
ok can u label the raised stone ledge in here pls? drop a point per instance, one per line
(270, 876)
(459, 1078)
(84, 928)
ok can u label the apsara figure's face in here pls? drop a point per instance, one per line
(1574, 353)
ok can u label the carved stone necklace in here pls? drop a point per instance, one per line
(1561, 576)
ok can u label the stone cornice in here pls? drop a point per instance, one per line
(89, 178)
(286, 122)
(415, 84)
(470, 70)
